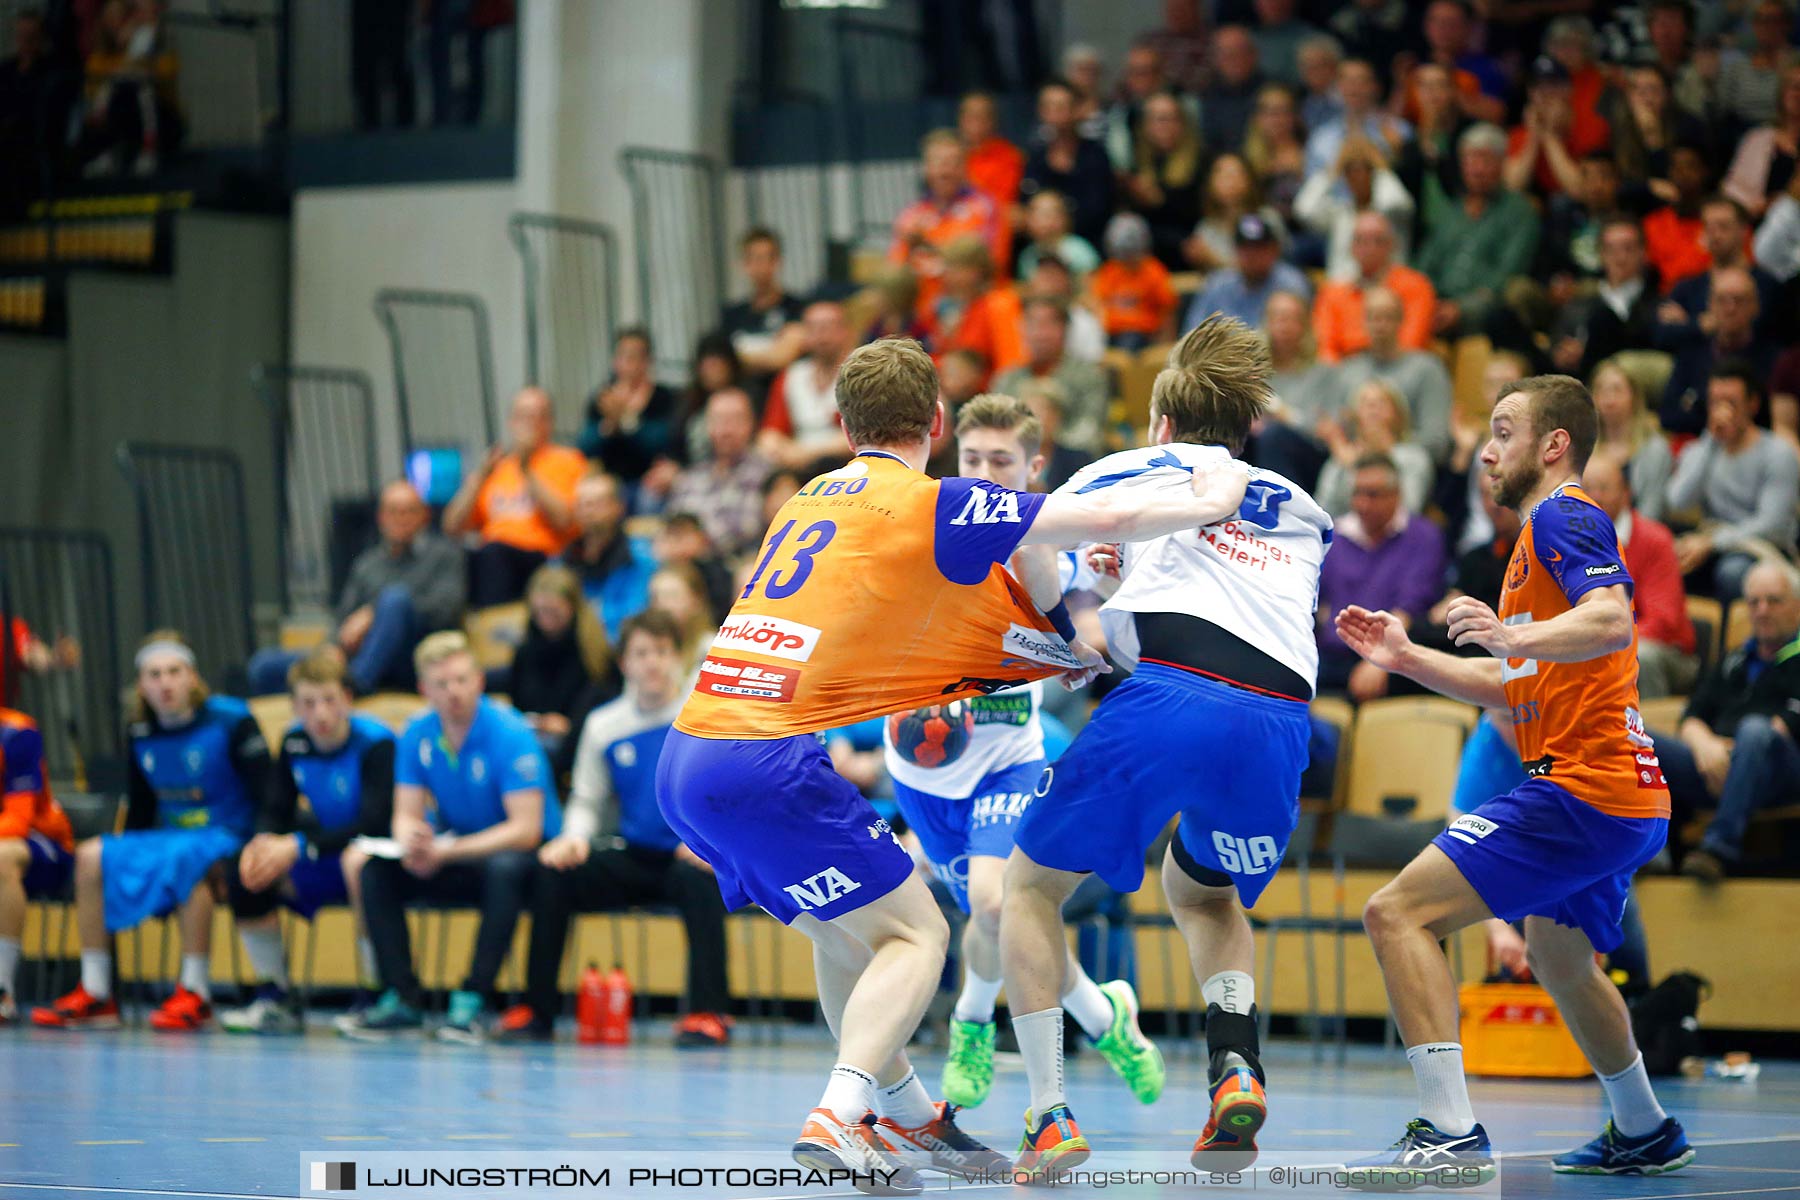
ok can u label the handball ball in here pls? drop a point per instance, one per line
(933, 736)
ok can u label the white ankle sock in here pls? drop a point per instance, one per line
(1087, 1004)
(9, 966)
(1635, 1111)
(849, 1093)
(977, 1000)
(1443, 1089)
(268, 958)
(1040, 1043)
(907, 1103)
(96, 973)
(196, 970)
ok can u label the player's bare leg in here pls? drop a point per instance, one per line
(15, 860)
(1222, 951)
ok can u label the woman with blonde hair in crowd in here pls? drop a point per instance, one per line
(1632, 434)
(1275, 147)
(679, 590)
(1164, 185)
(1231, 192)
(1376, 422)
(564, 666)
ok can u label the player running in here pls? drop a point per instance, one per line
(877, 589)
(1212, 724)
(965, 813)
(1560, 849)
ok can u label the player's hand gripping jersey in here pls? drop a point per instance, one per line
(1577, 723)
(877, 589)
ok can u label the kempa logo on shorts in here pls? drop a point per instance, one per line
(1471, 828)
(769, 635)
(819, 890)
(333, 1177)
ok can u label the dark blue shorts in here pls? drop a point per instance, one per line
(314, 883)
(778, 825)
(1164, 742)
(48, 867)
(981, 824)
(149, 872)
(1537, 851)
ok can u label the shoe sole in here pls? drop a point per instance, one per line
(461, 1037)
(1674, 1164)
(360, 1034)
(1044, 1171)
(1407, 1179)
(112, 1022)
(822, 1158)
(259, 1031)
(1243, 1119)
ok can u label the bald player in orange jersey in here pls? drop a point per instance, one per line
(878, 589)
(1560, 849)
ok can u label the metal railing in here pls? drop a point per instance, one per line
(443, 369)
(795, 199)
(571, 273)
(878, 87)
(677, 222)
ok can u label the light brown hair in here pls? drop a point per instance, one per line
(139, 708)
(1560, 402)
(1216, 384)
(1008, 414)
(590, 636)
(325, 664)
(887, 393)
(439, 646)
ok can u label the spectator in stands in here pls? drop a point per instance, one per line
(36, 94)
(962, 376)
(801, 420)
(1164, 184)
(1725, 330)
(950, 208)
(131, 111)
(1230, 193)
(413, 583)
(1275, 149)
(1360, 90)
(1479, 571)
(1621, 312)
(1047, 224)
(1750, 85)
(616, 850)
(1669, 30)
(561, 667)
(1181, 44)
(1052, 279)
(1777, 243)
(1279, 35)
(679, 590)
(1306, 392)
(1744, 481)
(1646, 130)
(614, 571)
(32, 654)
(1373, 32)
(1571, 243)
(1736, 752)
(682, 539)
(716, 367)
(1385, 554)
(1476, 242)
(198, 776)
(1460, 489)
(37, 844)
(1229, 99)
(1083, 386)
(783, 483)
(1725, 236)
(630, 423)
(1048, 402)
(1375, 422)
(1630, 432)
(1765, 158)
(1243, 290)
(1449, 37)
(1338, 317)
(333, 783)
(764, 327)
(1131, 289)
(1542, 153)
(1667, 664)
(520, 504)
(1359, 183)
(1672, 234)
(894, 300)
(1062, 160)
(381, 61)
(995, 166)
(1319, 60)
(1570, 41)
(1418, 375)
(1784, 398)
(473, 799)
(724, 488)
(972, 312)
(1141, 79)
(1431, 152)
(1085, 70)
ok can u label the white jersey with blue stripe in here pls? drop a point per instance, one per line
(1256, 576)
(1007, 733)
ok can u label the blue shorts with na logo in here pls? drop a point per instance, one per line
(1167, 741)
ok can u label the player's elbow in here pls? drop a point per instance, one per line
(1618, 628)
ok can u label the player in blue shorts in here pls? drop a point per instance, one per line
(37, 847)
(965, 812)
(199, 772)
(1217, 623)
(334, 782)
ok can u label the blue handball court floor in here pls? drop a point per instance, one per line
(127, 1114)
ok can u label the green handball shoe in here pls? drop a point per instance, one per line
(969, 1071)
(1125, 1048)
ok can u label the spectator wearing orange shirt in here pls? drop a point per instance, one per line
(1672, 234)
(973, 314)
(995, 165)
(1131, 289)
(1338, 321)
(1542, 152)
(37, 846)
(1570, 41)
(520, 504)
(950, 208)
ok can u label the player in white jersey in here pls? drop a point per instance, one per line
(1212, 724)
(965, 811)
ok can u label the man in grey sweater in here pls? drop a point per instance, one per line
(412, 583)
(1744, 481)
(1419, 375)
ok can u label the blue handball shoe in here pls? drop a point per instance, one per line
(1426, 1157)
(1662, 1150)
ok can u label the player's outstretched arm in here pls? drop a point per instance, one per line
(1599, 624)
(1380, 638)
(1138, 514)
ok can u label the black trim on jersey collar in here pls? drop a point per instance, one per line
(881, 454)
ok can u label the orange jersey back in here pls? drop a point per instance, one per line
(877, 589)
(1577, 724)
(26, 805)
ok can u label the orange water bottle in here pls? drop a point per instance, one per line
(590, 1005)
(615, 1008)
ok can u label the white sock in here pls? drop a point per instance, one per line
(849, 1094)
(268, 958)
(1087, 1004)
(907, 1104)
(977, 1000)
(1040, 1042)
(365, 955)
(196, 971)
(96, 973)
(1634, 1106)
(1443, 1089)
(9, 965)
(1233, 992)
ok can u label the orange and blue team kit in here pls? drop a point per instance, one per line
(1594, 806)
(877, 589)
(28, 811)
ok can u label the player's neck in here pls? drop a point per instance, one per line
(1546, 487)
(915, 455)
(325, 745)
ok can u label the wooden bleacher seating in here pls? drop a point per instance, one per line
(1708, 616)
(274, 716)
(393, 709)
(1341, 715)
(1404, 756)
(1737, 628)
(496, 633)
(1663, 714)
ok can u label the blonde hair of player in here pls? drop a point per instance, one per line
(887, 393)
(1215, 386)
(139, 708)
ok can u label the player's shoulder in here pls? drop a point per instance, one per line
(1274, 498)
(1568, 512)
(1143, 463)
(227, 709)
(368, 730)
(12, 721)
(607, 722)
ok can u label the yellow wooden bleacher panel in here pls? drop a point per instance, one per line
(1407, 746)
(1467, 365)
(274, 715)
(1663, 714)
(496, 633)
(1737, 627)
(1708, 616)
(393, 709)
